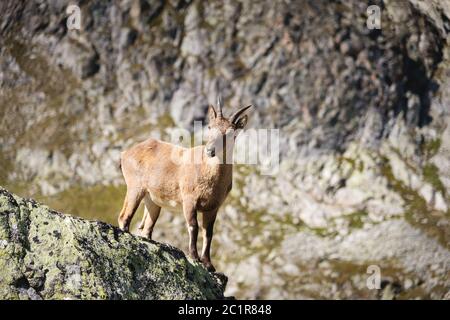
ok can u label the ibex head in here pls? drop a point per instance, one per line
(223, 131)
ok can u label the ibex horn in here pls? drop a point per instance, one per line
(220, 105)
(238, 113)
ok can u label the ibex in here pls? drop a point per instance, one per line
(166, 176)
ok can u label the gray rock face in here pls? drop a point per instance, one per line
(48, 255)
(362, 116)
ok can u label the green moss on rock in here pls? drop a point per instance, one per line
(48, 255)
(431, 175)
(431, 148)
(417, 211)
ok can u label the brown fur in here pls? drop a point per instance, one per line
(166, 175)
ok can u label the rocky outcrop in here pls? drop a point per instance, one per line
(363, 118)
(45, 254)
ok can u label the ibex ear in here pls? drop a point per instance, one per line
(212, 114)
(241, 122)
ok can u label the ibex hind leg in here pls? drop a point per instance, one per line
(142, 223)
(151, 215)
(130, 205)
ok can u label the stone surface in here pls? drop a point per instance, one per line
(49, 255)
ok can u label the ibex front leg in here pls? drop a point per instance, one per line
(191, 219)
(151, 215)
(207, 227)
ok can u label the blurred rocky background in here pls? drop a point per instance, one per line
(363, 117)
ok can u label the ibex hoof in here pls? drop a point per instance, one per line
(146, 235)
(210, 268)
(123, 227)
(208, 265)
(194, 257)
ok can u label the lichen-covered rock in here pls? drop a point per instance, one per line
(48, 255)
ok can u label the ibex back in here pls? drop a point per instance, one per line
(190, 180)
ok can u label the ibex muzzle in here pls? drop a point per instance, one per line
(165, 176)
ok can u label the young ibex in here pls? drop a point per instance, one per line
(183, 179)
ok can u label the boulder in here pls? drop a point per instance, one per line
(45, 254)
